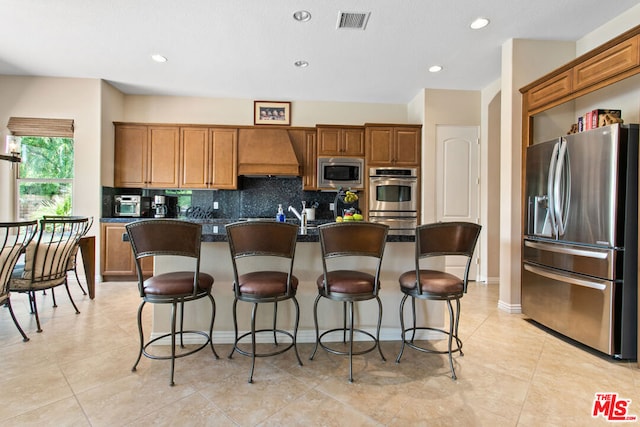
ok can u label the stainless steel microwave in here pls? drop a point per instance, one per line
(336, 172)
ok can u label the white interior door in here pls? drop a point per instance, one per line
(458, 182)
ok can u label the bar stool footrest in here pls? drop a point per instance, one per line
(178, 355)
(410, 343)
(346, 353)
(273, 353)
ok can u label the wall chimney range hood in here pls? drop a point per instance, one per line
(266, 152)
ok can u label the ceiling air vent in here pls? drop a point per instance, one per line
(353, 20)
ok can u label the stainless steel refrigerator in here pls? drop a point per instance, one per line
(579, 271)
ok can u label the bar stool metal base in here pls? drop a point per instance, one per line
(173, 335)
(253, 332)
(344, 330)
(452, 334)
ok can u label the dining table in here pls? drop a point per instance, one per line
(88, 251)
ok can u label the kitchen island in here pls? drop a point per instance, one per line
(216, 260)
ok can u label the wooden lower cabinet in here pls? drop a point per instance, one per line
(116, 257)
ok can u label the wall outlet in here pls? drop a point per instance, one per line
(215, 228)
(215, 205)
(331, 206)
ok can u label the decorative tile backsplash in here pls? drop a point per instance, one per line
(256, 197)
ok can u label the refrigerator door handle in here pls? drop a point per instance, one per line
(571, 279)
(550, 189)
(559, 209)
(566, 250)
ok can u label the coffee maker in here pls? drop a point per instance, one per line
(165, 207)
(160, 206)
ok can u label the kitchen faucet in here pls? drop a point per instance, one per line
(302, 217)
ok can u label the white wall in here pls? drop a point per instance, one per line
(442, 107)
(76, 99)
(522, 62)
(112, 107)
(611, 29)
(173, 109)
(489, 245)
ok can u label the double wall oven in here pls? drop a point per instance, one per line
(393, 198)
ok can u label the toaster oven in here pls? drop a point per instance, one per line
(131, 206)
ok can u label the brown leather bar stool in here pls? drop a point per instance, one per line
(14, 238)
(438, 240)
(168, 237)
(359, 242)
(262, 254)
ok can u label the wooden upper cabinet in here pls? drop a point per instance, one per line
(609, 63)
(146, 156)
(304, 145)
(164, 154)
(224, 153)
(310, 173)
(555, 88)
(130, 157)
(208, 158)
(393, 145)
(379, 145)
(195, 157)
(339, 141)
(407, 146)
(615, 60)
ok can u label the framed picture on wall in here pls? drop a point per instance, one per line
(271, 113)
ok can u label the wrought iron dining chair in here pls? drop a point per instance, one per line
(363, 243)
(442, 239)
(176, 238)
(46, 259)
(262, 254)
(14, 238)
(73, 258)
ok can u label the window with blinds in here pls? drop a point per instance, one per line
(45, 175)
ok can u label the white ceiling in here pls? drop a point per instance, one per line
(246, 48)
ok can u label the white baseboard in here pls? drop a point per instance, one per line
(304, 336)
(510, 308)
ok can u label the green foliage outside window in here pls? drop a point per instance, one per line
(45, 177)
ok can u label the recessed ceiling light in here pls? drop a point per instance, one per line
(158, 58)
(435, 68)
(302, 16)
(301, 64)
(479, 23)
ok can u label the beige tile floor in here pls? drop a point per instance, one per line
(78, 372)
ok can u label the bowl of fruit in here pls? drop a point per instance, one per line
(349, 215)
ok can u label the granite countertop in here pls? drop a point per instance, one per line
(213, 229)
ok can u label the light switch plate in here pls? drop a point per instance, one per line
(331, 206)
(215, 205)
